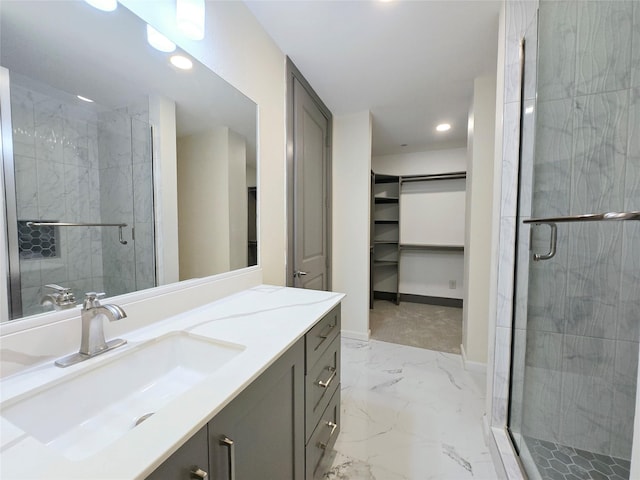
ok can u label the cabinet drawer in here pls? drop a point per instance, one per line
(191, 457)
(320, 384)
(323, 438)
(321, 335)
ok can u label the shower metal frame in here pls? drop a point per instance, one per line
(10, 199)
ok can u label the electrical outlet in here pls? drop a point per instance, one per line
(452, 284)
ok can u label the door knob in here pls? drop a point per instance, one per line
(299, 273)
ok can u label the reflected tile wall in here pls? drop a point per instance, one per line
(54, 168)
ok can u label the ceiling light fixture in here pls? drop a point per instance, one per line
(190, 18)
(104, 5)
(84, 99)
(183, 63)
(159, 41)
(443, 127)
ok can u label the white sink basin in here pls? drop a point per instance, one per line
(82, 413)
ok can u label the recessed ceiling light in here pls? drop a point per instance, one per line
(159, 41)
(104, 5)
(443, 127)
(183, 63)
(84, 99)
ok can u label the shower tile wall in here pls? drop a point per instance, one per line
(54, 146)
(75, 165)
(126, 190)
(585, 304)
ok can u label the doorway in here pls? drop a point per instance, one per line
(308, 185)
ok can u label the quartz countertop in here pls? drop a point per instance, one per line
(265, 320)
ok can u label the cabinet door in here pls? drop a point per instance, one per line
(260, 434)
(191, 461)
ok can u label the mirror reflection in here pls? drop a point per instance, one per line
(122, 172)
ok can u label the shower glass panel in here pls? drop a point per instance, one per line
(81, 223)
(576, 314)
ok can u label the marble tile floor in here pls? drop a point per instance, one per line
(408, 414)
(417, 325)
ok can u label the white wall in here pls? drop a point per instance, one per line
(479, 239)
(238, 197)
(430, 213)
(162, 115)
(238, 49)
(351, 203)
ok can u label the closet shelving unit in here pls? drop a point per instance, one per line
(386, 237)
(385, 247)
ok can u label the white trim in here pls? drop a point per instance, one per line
(504, 457)
(490, 441)
(472, 366)
(353, 335)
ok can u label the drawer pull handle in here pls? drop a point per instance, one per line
(328, 382)
(198, 473)
(324, 336)
(227, 442)
(333, 427)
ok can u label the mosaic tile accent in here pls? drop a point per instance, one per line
(37, 242)
(559, 462)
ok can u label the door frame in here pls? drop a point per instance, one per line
(292, 73)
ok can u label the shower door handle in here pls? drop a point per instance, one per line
(552, 244)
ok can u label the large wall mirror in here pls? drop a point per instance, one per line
(122, 172)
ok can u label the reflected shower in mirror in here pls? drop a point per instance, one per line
(105, 142)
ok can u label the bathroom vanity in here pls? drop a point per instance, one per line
(246, 387)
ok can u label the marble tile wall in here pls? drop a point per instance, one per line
(76, 165)
(582, 306)
(126, 192)
(56, 168)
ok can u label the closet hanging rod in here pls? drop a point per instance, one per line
(590, 217)
(436, 176)
(71, 224)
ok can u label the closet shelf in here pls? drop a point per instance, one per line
(384, 263)
(437, 176)
(412, 246)
(385, 242)
(382, 222)
(386, 199)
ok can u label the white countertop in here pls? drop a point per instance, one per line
(266, 320)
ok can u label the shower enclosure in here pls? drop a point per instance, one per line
(79, 195)
(577, 279)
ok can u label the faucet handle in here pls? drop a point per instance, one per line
(91, 299)
(58, 288)
(63, 298)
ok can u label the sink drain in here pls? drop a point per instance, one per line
(142, 418)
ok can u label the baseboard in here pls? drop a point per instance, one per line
(440, 301)
(390, 296)
(472, 366)
(353, 335)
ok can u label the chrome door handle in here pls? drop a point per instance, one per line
(299, 273)
(333, 427)
(552, 244)
(328, 381)
(324, 336)
(198, 473)
(227, 442)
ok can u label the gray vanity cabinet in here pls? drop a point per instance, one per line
(279, 427)
(190, 461)
(260, 434)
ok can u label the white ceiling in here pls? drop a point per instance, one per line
(412, 63)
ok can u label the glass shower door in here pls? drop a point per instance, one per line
(577, 302)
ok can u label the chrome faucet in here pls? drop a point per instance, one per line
(61, 298)
(93, 342)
